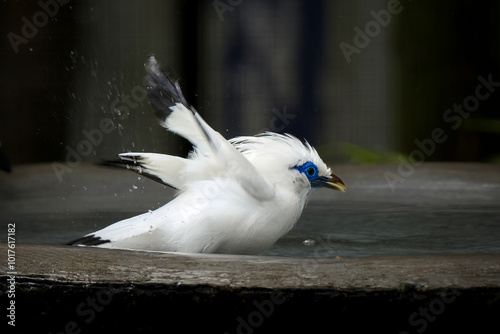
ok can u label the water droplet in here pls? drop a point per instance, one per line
(134, 186)
(309, 242)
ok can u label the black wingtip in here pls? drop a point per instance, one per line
(163, 90)
(117, 163)
(136, 166)
(88, 240)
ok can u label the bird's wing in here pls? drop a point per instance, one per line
(162, 168)
(177, 115)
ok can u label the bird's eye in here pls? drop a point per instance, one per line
(309, 169)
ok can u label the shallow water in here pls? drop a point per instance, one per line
(350, 230)
(368, 229)
(442, 209)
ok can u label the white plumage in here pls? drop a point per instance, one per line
(238, 196)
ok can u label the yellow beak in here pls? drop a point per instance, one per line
(335, 183)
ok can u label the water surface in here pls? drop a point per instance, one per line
(442, 209)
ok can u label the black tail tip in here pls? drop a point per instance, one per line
(88, 240)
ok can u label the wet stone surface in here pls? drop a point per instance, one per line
(97, 289)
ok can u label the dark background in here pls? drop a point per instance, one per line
(243, 63)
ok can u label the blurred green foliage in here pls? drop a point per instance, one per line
(358, 154)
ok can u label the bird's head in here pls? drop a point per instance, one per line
(284, 159)
(319, 179)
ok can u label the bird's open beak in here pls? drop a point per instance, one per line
(335, 183)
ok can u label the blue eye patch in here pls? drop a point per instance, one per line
(308, 169)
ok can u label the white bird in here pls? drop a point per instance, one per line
(238, 196)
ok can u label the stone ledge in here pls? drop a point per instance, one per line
(78, 290)
(82, 265)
